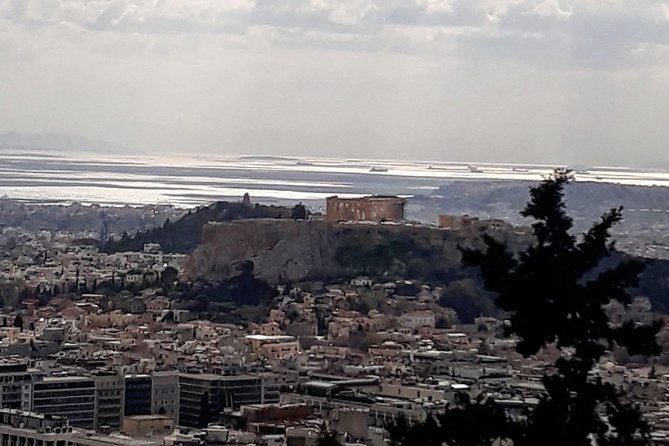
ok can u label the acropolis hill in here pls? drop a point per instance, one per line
(293, 250)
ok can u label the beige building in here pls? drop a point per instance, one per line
(269, 329)
(259, 342)
(411, 392)
(417, 319)
(283, 350)
(148, 425)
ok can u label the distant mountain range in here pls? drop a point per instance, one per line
(55, 141)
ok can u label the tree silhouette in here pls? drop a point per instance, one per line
(480, 423)
(169, 276)
(299, 212)
(18, 322)
(555, 293)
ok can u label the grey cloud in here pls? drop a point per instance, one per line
(477, 79)
(16, 10)
(586, 37)
(463, 13)
(580, 40)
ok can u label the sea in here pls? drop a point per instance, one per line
(48, 177)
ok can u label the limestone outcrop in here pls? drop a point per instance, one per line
(294, 250)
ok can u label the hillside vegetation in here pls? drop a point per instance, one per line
(185, 234)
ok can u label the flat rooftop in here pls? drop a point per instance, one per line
(64, 379)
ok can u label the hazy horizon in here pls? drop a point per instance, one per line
(557, 82)
(69, 145)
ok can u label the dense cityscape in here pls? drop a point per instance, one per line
(102, 348)
(334, 223)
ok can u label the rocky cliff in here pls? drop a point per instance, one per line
(289, 250)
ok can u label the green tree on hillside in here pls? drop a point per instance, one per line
(18, 322)
(555, 295)
(468, 300)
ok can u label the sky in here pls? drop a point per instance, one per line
(541, 81)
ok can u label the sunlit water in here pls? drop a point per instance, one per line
(48, 177)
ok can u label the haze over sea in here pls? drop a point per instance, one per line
(185, 181)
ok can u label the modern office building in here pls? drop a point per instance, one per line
(199, 399)
(165, 394)
(109, 398)
(237, 391)
(203, 397)
(72, 397)
(137, 395)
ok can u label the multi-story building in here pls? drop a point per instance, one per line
(165, 394)
(203, 397)
(20, 428)
(15, 385)
(199, 399)
(72, 397)
(109, 397)
(240, 390)
(138, 395)
(273, 383)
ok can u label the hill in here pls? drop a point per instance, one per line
(290, 251)
(185, 234)
(287, 251)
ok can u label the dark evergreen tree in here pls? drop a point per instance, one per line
(18, 322)
(555, 293)
(169, 276)
(299, 212)
(466, 423)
